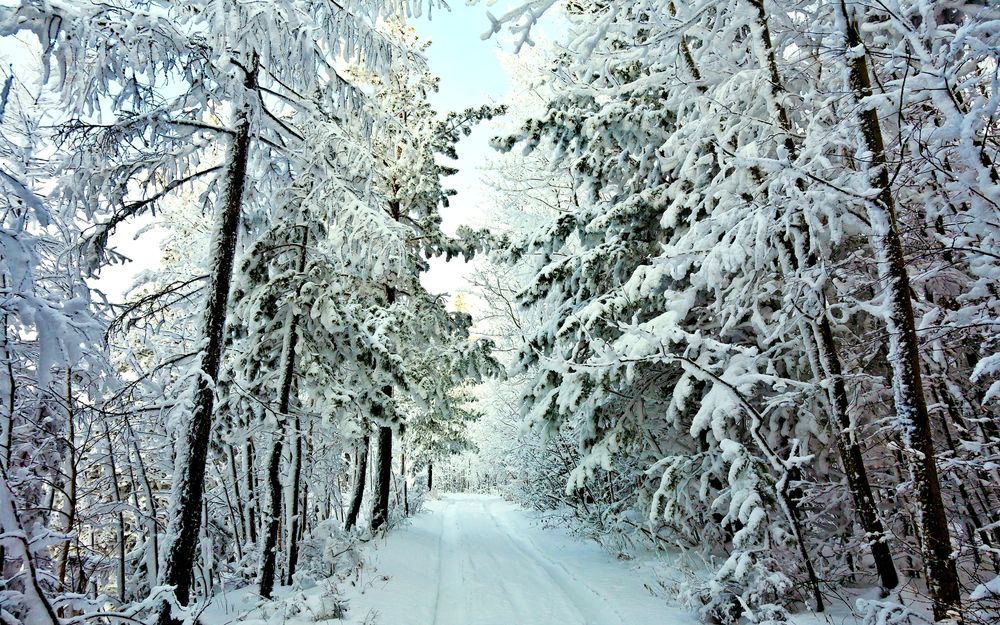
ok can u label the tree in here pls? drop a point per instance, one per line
(54, 365)
(410, 179)
(712, 308)
(180, 78)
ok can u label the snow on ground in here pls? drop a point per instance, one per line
(468, 560)
(478, 560)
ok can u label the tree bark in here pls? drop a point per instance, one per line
(233, 514)
(72, 473)
(294, 523)
(189, 477)
(252, 495)
(402, 472)
(904, 347)
(850, 453)
(853, 462)
(430, 476)
(116, 494)
(239, 523)
(360, 471)
(270, 543)
(9, 416)
(383, 474)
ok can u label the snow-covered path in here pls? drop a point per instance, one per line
(477, 560)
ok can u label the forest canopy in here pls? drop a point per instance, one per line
(730, 302)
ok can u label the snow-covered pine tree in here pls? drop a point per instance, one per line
(54, 372)
(409, 177)
(650, 266)
(177, 79)
(719, 267)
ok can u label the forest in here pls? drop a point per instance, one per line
(724, 346)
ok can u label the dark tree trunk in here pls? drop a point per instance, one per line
(430, 476)
(853, 462)
(402, 472)
(850, 452)
(383, 474)
(252, 495)
(269, 546)
(294, 523)
(189, 479)
(911, 403)
(239, 524)
(71, 499)
(304, 507)
(360, 476)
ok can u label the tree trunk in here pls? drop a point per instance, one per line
(8, 425)
(853, 462)
(239, 523)
(304, 514)
(269, 545)
(307, 452)
(978, 534)
(795, 520)
(252, 498)
(294, 523)
(360, 476)
(383, 474)
(430, 476)
(850, 453)
(72, 473)
(402, 472)
(189, 476)
(904, 347)
(233, 520)
(116, 494)
(152, 549)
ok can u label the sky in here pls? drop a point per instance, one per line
(471, 74)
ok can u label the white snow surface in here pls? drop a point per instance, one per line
(478, 560)
(471, 559)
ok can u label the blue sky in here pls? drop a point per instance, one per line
(469, 69)
(471, 75)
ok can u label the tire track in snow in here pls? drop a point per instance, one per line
(595, 602)
(523, 599)
(497, 575)
(475, 560)
(567, 597)
(449, 508)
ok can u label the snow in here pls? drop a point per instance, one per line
(990, 588)
(476, 560)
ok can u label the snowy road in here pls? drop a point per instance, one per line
(477, 560)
